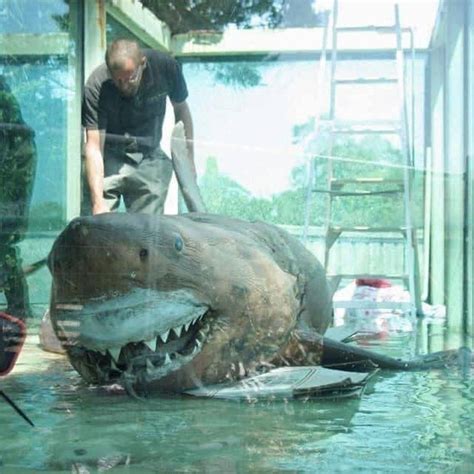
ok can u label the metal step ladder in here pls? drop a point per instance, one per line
(369, 187)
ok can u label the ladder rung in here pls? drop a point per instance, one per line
(355, 131)
(366, 126)
(368, 276)
(361, 228)
(374, 180)
(384, 29)
(374, 122)
(367, 80)
(359, 193)
(364, 304)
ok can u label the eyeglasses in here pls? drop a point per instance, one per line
(136, 75)
(132, 79)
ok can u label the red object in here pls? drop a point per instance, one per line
(12, 337)
(373, 282)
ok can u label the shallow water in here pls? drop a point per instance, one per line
(404, 422)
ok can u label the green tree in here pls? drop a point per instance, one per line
(183, 16)
(372, 156)
(221, 194)
(209, 18)
(225, 196)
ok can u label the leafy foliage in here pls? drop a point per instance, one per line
(183, 16)
(372, 156)
(237, 75)
(186, 15)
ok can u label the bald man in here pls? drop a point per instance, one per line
(123, 110)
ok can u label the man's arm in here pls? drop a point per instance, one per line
(94, 164)
(182, 113)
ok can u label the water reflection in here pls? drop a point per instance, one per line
(417, 422)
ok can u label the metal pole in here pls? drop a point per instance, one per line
(317, 119)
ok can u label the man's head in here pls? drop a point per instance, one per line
(125, 62)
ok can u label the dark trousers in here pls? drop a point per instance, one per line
(17, 174)
(13, 282)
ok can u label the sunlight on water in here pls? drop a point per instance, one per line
(404, 422)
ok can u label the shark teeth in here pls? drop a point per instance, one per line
(164, 336)
(154, 362)
(151, 344)
(178, 330)
(115, 353)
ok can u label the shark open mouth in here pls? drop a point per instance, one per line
(140, 364)
(134, 338)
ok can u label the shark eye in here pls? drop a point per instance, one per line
(143, 254)
(178, 243)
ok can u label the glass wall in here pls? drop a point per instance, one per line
(41, 87)
(245, 117)
(450, 141)
(255, 121)
(115, 30)
(256, 133)
(39, 65)
(37, 17)
(193, 343)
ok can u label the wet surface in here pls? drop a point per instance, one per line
(404, 422)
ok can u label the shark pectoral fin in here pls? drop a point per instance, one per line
(184, 172)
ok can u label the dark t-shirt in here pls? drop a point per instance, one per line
(142, 115)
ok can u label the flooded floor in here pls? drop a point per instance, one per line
(403, 422)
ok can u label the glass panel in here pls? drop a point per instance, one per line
(158, 312)
(252, 151)
(40, 87)
(248, 164)
(33, 176)
(116, 30)
(33, 16)
(182, 17)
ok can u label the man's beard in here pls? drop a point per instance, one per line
(129, 91)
